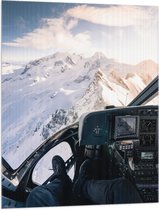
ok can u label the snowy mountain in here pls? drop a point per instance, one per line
(52, 92)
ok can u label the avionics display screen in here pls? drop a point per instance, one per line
(125, 126)
(147, 155)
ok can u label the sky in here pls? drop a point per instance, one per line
(126, 33)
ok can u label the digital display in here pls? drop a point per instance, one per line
(148, 125)
(125, 126)
(147, 155)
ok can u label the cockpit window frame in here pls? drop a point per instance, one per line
(147, 94)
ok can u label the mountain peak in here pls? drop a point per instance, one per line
(148, 69)
(146, 63)
(99, 55)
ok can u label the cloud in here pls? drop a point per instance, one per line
(71, 24)
(113, 16)
(60, 34)
(55, 33)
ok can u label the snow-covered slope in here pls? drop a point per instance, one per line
(52, 92)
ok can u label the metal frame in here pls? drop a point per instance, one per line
(147, 94)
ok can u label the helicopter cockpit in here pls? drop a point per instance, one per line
(120, 141)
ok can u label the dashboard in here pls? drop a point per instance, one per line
(132, 134)
(106, 126)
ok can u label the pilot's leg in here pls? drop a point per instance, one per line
(115, 191)
(43, 196)
(57, 192)
(118, 190)
(52, 194)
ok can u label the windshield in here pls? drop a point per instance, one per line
(55, 68)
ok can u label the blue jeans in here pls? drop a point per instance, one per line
(56, 193)
(116, 191)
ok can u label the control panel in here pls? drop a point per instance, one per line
(136, 139)
(132, 132)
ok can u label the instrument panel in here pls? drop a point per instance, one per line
(129, 123)
(141, 127)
